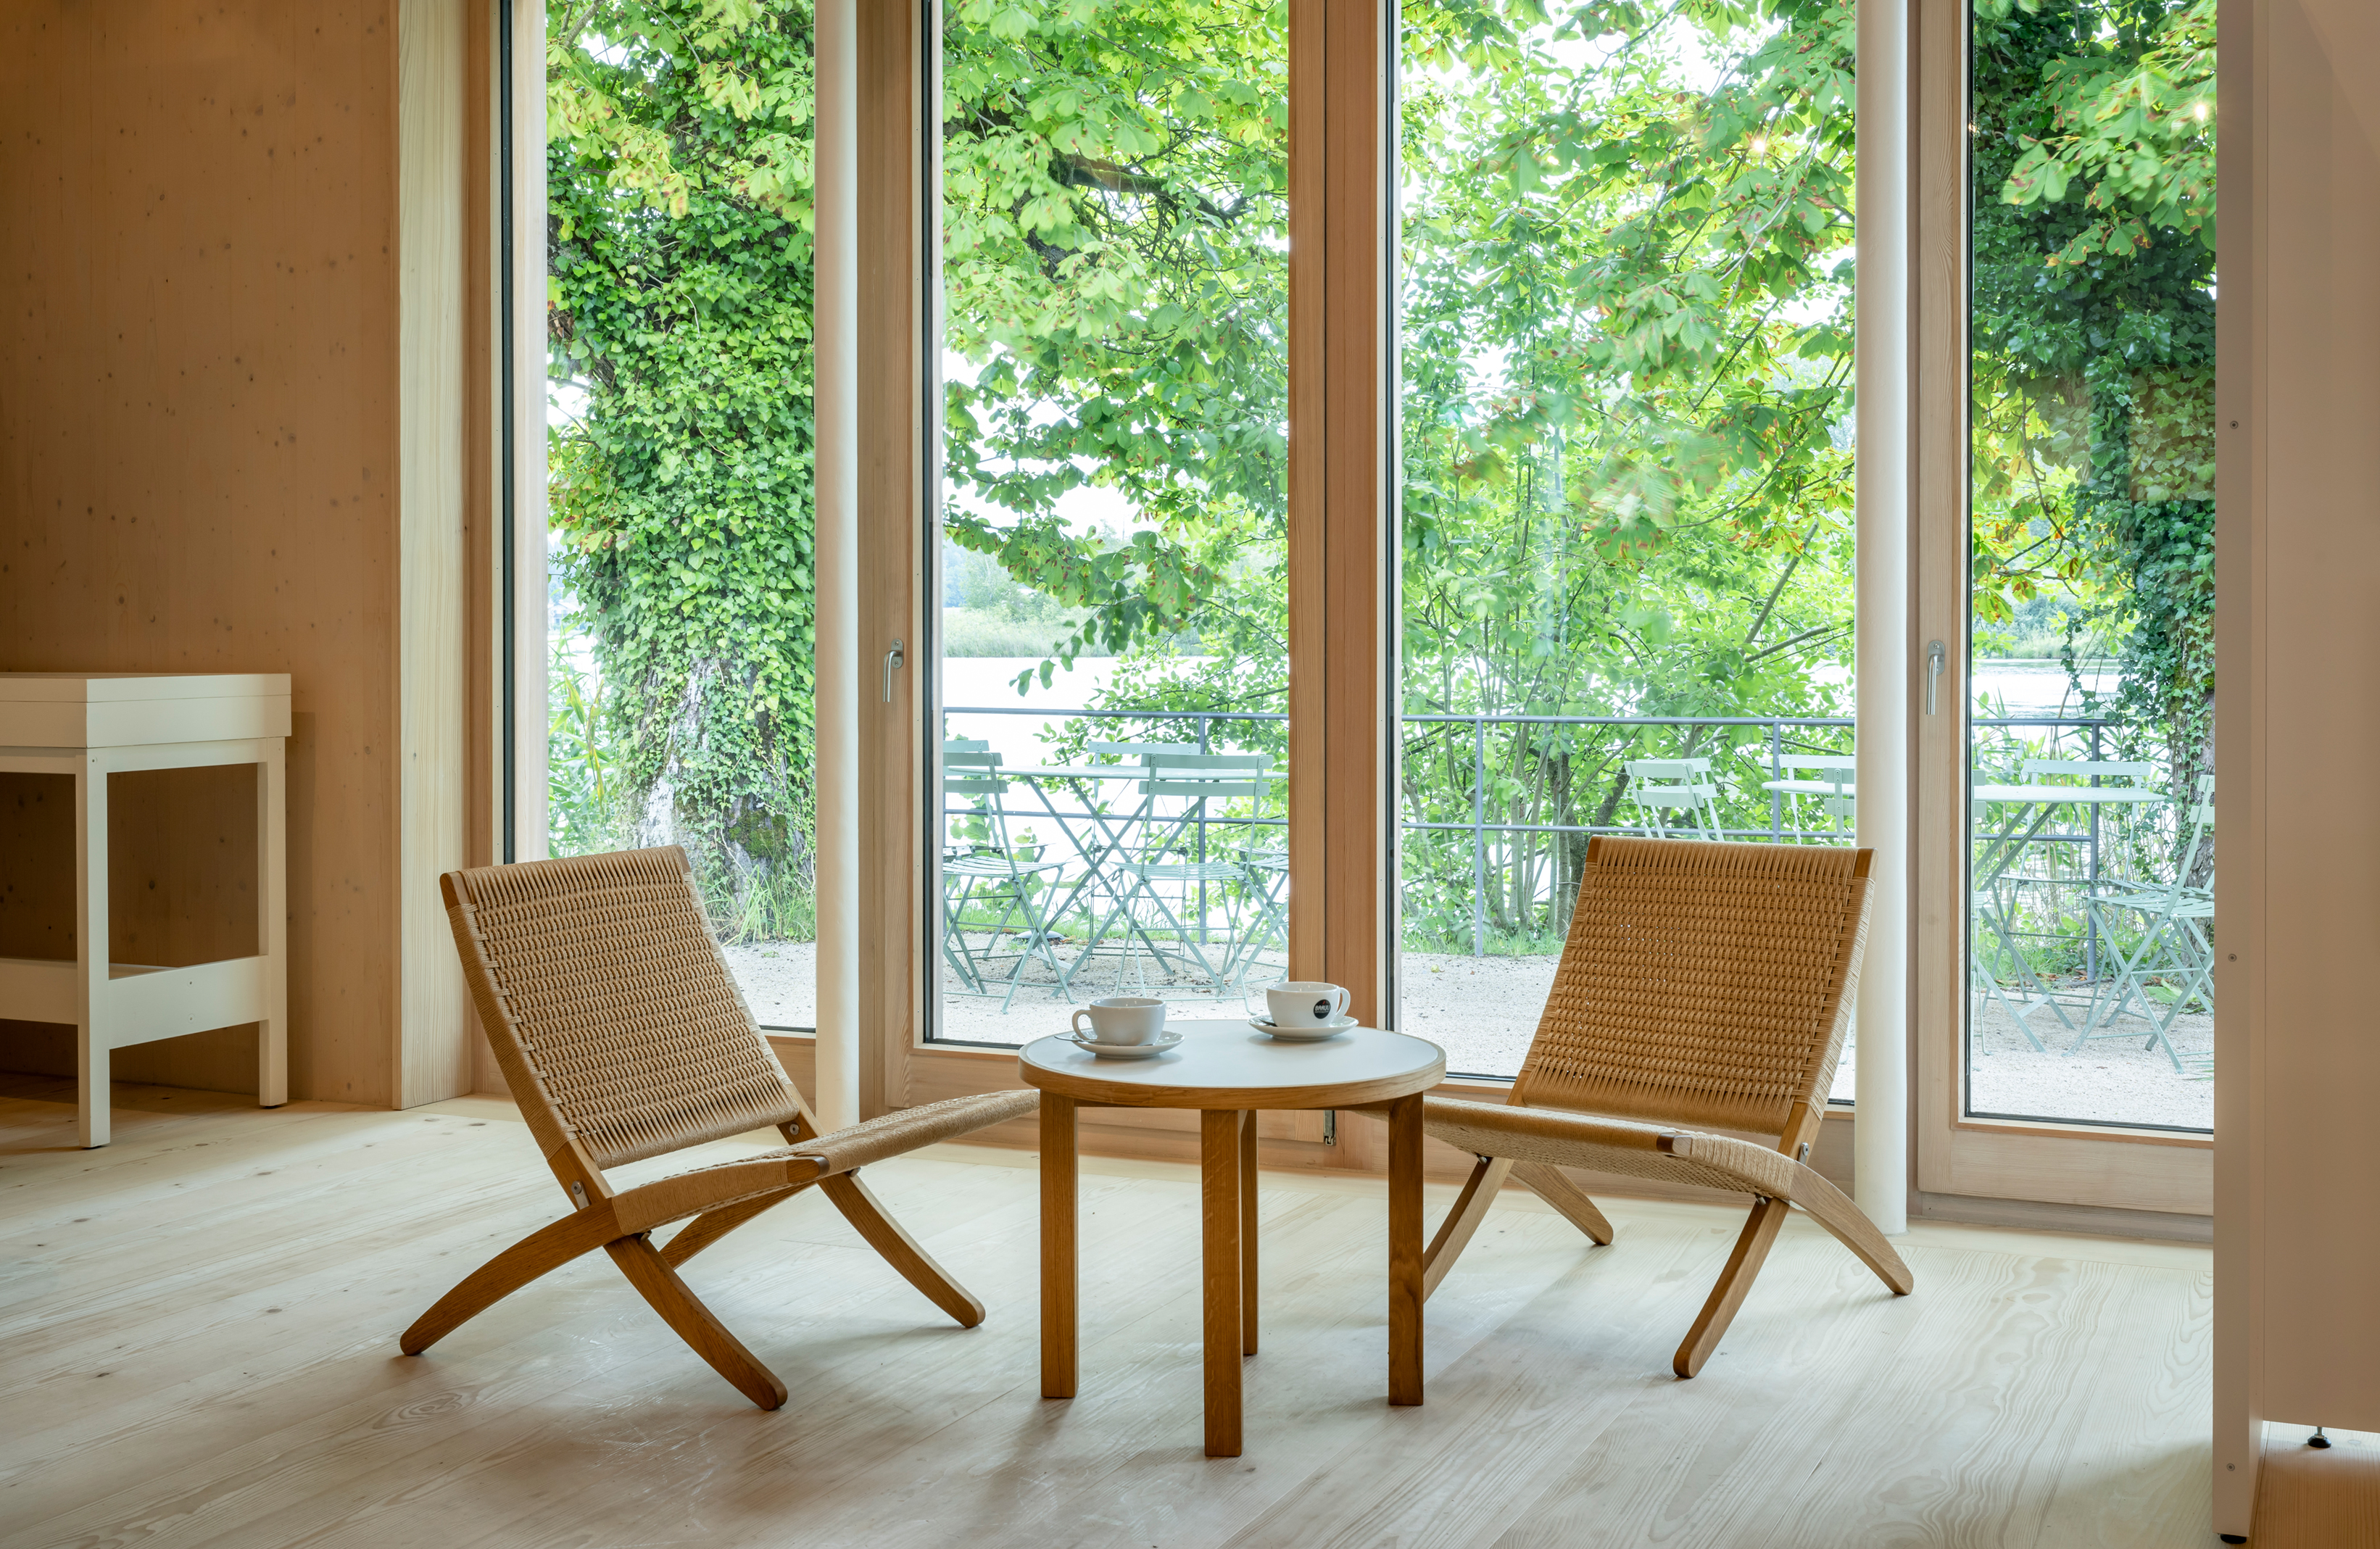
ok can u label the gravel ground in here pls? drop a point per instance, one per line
(1484, 1010)
(2112, 1080)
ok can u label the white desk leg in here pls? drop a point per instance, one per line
(272, 922)
(90, 951)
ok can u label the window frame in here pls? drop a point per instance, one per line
(1343, 572)
(1958, 1156)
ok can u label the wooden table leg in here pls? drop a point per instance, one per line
(1247, 1234)
(94, 1089)
(1219, 1179)
(1061, 1272)
(1405, 1264)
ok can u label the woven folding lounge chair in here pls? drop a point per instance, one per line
(1702, 986)
(623, 1037)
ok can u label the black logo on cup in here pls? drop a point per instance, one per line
(1322, 1011)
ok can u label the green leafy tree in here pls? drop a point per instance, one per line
(1114, 231)
(1626, 401)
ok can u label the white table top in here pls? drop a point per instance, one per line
(1228, 1064)
(91, 688)
(1810, 787)
(91, 710)
(2081, 795)
(1075, 772)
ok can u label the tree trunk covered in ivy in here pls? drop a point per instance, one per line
(679, 246)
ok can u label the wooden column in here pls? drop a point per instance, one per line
(895, 583)
(1341, 534)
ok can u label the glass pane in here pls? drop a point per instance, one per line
(2092, 712)
(679, 428)
(1627, 461)
(1114, 508)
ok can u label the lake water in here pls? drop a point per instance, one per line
(2017, 688)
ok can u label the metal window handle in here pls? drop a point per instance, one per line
(892, 658)
(1935, 657)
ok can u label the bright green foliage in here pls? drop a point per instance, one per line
(1627, 395)
(1114, 225)
(1626, 383)
(679, 200)
(2094, 345)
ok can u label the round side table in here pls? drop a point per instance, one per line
(1229, 1071)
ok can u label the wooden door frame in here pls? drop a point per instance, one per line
(1342, 691)
(1342, 729)
(896, 566)
(1961, 1158)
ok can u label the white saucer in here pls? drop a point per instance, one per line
(1303, 1034)
(1162, 1042)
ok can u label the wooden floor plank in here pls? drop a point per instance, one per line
(1946, 1438)
(2037, 1391)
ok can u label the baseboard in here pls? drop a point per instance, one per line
(2090, 1219)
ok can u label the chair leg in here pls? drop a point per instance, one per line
(1549, 1185)
(1751, 1250)
(1470, 1209)
(679, 1308)
(713, 1225)
(1832, 1209)
(884, 1234)
(547, 1249)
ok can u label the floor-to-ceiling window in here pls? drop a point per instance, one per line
(1626, 495)
(1112, 509)
(2091, 705)
(679, 438)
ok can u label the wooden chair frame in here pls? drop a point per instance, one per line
(1538, 1132)
(542, 1037)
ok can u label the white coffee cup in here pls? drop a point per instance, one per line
(1304, 1002)
(1123, 1019)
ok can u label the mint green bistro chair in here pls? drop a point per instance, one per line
(986, 869)
(1171, 883)
(1675, 797)
(1999, 963)
(1819, 791)
(2174, 950)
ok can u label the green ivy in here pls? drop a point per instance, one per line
(681, 308)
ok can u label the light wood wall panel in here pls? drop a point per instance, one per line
(197, 427)
(2316, 683)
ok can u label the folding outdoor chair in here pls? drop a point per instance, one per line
(1674, 797)
(1172, 882)
(1996, 963)
(2173, 944)
(993, 870)
(623, 1037)
(1806, 774)
(1702, 985)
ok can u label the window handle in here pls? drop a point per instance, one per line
(893, 660)
(1935, 657)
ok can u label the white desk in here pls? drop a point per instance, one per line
(86, 727)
